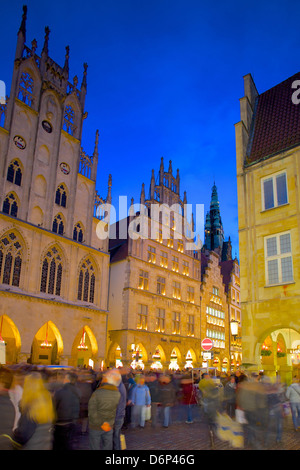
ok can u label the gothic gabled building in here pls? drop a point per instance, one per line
(53, 268)
(154, 295)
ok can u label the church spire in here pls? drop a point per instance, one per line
(214, 233)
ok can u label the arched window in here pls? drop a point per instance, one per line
(58, 225)
(26, 89)
(14, 173)
(69, 122)
(86, 282)
(61, 195)
(78, 233)
(51, 277)
(10, 259)
(10, 205)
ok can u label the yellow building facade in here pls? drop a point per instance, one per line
(53, 267)
(268, 159)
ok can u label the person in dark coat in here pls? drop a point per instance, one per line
(102, 409)
(120, 415)
(153, 386)
(167, 396)
(7, 410)
(67, 407)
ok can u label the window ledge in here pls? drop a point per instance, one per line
(281, 284)
(275, 207)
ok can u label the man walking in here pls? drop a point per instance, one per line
(102, 409)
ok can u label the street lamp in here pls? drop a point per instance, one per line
(234, 328)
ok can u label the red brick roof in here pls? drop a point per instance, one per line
(276, 122)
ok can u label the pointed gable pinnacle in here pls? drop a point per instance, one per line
(95, 154)
(108, 199)
(84, 82)
(46, 41)
(22, 28)
(66, 64)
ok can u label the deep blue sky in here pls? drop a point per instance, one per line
(164, 79)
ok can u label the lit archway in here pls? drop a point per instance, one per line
(139, 356)
(10, 335)
(158, 358)
(47, 345)
(85, 348)
(175, 359)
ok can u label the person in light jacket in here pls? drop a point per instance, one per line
(140, 399)
(293, 395)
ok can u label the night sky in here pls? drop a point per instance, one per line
(164, 79)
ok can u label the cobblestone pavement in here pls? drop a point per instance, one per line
(182, 436)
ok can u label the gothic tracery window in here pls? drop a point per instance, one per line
(58, 225)
(14, 173)
(26, 89)
(69, 120)
(78, 233)
(86, 282)
(52, 272)
(61, 196)
(10, 259)
(10, 205)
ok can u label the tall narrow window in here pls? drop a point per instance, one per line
(51, 275)
(278, 259)
(86, 282)
(143, 280)
(14, 173)
(61, 196)
(26, 89)
(176, 323)
(161, 285)
(274, 190)
(142, 317)
(160, 320)
(10, 205)
(10, 259)
(58, 225)
(78, 233)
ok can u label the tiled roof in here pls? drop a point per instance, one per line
(276, 122)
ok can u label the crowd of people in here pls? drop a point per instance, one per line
(44, 409)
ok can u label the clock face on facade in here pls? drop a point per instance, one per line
(47, 126)
(64, 168)
(19, 142)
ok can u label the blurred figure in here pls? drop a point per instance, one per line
(130, 383)
(167, 395)
(140, 400)
(15, 394)
(230, 396)
(120, 415)
(67, 407)
(85, 387)
(34, 430)
(153, 386)
(102, 408)
(293, 395)
(7, 410)
(188, 397)
(252, 400)
(210, 393)
(275, 399)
